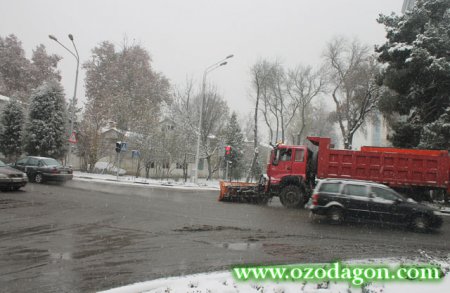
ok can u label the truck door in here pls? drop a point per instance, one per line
(299, 162)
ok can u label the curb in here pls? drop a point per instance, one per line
(161, 185)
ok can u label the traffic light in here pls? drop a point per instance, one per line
(228, 151)
(118, 146)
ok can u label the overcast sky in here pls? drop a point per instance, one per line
(185, 37)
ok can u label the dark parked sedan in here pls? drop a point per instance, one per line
(40, 169)
(11, 179)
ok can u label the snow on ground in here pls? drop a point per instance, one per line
(219, 282)
(170, 183)
(441, 206)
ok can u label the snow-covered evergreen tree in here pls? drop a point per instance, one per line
(11, 126)
(46, 133)
(235, 139)
(436, 135)
(417, 56)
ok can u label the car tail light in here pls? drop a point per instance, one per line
(315, 199)
(54, 170)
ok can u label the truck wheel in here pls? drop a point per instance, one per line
(336, 215)
(292, 196)
(420, 223)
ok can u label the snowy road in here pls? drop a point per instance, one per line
(88, 236)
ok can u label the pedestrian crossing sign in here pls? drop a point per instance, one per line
(73, 137)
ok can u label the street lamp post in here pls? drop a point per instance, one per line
(197, 153)
(72, 113)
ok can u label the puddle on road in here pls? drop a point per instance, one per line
(61, 255)
(240, 246)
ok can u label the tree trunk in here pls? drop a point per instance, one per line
(348, 142)
(138, 168)
(208, 160)
(185, 168)
(147, 170)
(250, 172)
(300, 133)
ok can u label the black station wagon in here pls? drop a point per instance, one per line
(368, 201)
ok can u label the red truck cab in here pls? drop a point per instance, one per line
(288, 166)
(287, 160)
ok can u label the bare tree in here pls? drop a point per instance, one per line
(181, 113)
(271, 95)
(303, 86)
(318, 120)
(185, 113)
(284, 93)
(88, 146)
(215, 112)
(260, 74)
(352, 71)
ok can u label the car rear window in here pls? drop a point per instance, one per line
(330, 187)
(51, 162)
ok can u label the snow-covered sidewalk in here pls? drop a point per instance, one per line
(223, 282)
(132, 180)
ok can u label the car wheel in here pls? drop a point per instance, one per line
(420, 223)
(336, 215)
(38, 178)
(292, 196)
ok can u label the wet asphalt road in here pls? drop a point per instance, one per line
(86, 236)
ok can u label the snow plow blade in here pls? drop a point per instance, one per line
(241, 192)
